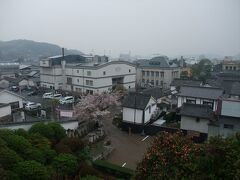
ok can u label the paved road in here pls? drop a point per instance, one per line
(129, 149)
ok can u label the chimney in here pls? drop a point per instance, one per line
(63, 53)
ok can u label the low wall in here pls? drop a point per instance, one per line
(67, 124)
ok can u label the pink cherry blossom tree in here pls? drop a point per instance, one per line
(95, 107)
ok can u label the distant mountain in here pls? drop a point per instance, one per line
(30, 50)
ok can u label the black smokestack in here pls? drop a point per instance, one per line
(63, 53)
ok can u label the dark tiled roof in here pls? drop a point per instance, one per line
(196, 110)
(155, 92)
(156, 62)
(14, 80)
(200, 92)
(181, 82)
(136, 100)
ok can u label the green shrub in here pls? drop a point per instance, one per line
(113, 169)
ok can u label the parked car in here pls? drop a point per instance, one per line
(32, 93)
(14, 88)
(67, 100)
(47, 95)
(31, 106)
(56, 96)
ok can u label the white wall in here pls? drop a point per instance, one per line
(128, 115)
(27, 126)
(231, 108)
(148, 115)
(190, 123)
(6, 97)
(4, 111)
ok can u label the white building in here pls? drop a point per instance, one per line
(16, 103)
(199, 95)
(196, 117)
(80, 74)
(158, 71)
(138, 108)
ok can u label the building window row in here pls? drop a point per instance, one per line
(153, 73)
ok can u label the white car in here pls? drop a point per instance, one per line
(56, 96)
(31, 106)
(67, 100)
(47, 95)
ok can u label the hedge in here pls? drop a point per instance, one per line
(113, 169)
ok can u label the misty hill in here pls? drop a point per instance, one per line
(31, 50)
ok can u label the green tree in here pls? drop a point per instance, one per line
(21, 132)
(65, 165)
(53, 131)
(59, 131)
(42, 129)
(31, 170)
(8, 158)
(17, 143)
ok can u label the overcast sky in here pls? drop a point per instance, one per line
(144, 27)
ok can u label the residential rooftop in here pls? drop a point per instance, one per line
(136, 100)
(200, 92)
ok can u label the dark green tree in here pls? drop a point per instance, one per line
(65, 165)
(31, 170)
(8, 158)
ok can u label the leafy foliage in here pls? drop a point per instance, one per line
(174, 156)
(31, 170)
(65, 164)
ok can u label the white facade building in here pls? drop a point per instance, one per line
(199, 95)
(138, 108)
(157, 71)
(76, 73)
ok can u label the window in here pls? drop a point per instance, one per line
(78, 89)
(191, 101)
(77, 71)
(14, 105)
(69, 80)
(129, 87)
(129, 70)
(78, 80)
(209, 103)
(89, 91)
(89, 82)
(152, 82)
(149, 110)
(162, 74)
(89, 73)
(143, 73)
(197, 119)
(104, 73)
(157, 83)
(226, 67)
(152, 73)
(234, 68)
(157, 74)
(228, 126)
(147, 73)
